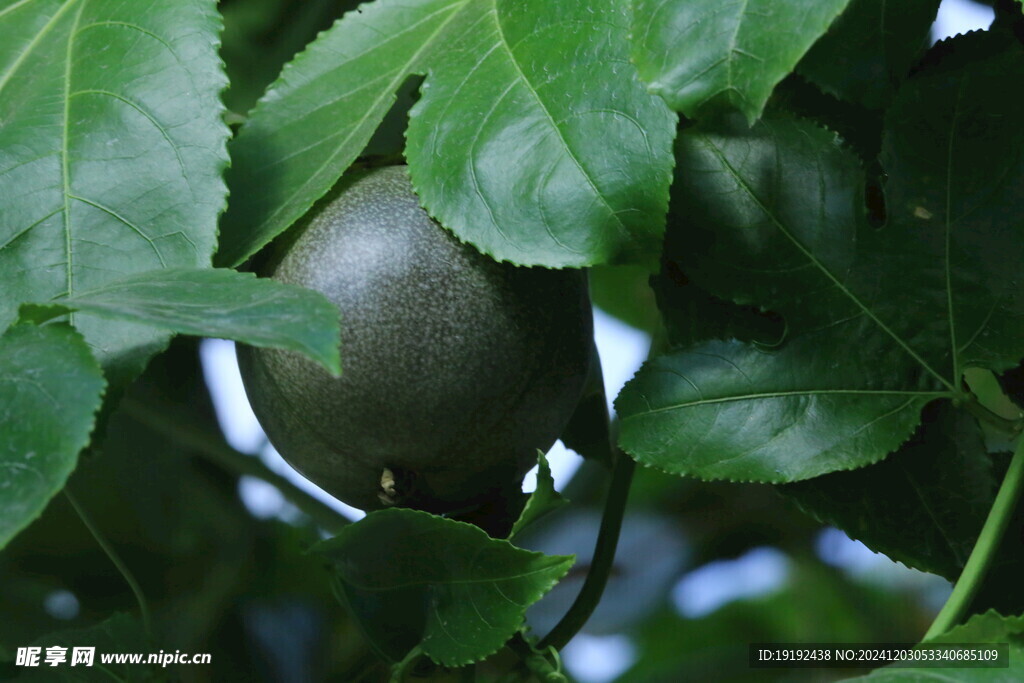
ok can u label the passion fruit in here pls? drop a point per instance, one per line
(456, 368)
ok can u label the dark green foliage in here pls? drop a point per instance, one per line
(815, 217)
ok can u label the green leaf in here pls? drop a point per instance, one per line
(320, 113)
(940, 484)
(708, 56)
(111, 152)
(507, 146)
(879, 321)
(989, 628)
(869, 49)
(514, 149)
(214, 303)
(50, 390)
(543, 501)
(729, 410)
(120, 633)
(415, 579)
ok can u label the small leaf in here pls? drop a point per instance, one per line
(989, 628)
(111, 153)
(878, 320)
(50, 390)
(543, 501)
(320, 113)
(940, 484)
(708, 56)
(415, 579)
(120, 633)
(513, 148)
(214, 303)
(869, 49)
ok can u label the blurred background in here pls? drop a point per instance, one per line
(702, 570)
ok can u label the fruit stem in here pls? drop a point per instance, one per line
(985, 548)
(604, 557)
(165, 420)
(115, 559)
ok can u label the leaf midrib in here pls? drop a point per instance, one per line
(551, 120)
(791, 394)
(552, 566)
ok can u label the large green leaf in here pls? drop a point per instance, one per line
(415, 579)
(514, 149)
(508, 146)
(214, 303)
(111, 151)
(706, 56)
(879, 321)
(50, 390)
(980, 630)
(869, 49)
(730, 410)
(320, 113)
(940, 484)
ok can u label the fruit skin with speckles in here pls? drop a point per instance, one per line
(455, 368)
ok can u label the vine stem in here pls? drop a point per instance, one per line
(115, 559)
(985, 548)
(164, 420)
(604, 557)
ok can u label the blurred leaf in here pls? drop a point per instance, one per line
(940, 484)
(120, 633)
(980, 630)
(543, 501)
(283, 159)
(214, 303)
(869, 49)
(111, 153)
(624, 292)
(879, 321)
(50, 390)
(415, 579)
(174, 519)
(708, 56)
(815, 604)
(587, 431)
(513, 149)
